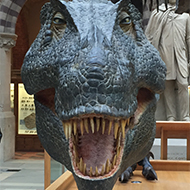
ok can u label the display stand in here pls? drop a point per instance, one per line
(171, 174)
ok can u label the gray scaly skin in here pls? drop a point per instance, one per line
(92, 68)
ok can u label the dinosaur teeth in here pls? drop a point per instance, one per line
(118, 151)
(107, 166)
(98, 123)
(119, 140)
(104, 170)
(90, 171)
(110, 126)
(69, 124)
(123, 124)
(81, 165)
(116, 129)
(84, 169)
(82, 126)
(114, 160)
(86, 125)
(95, 124)
(92, 124)
(96, 172)
(103, 125)
(76, 128)
(67, 129)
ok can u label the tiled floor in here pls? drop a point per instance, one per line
(24, 172)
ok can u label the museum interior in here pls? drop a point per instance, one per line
(24, 163)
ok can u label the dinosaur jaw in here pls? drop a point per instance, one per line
(96, 144)
(96, 141)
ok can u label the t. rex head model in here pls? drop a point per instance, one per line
(95, 78)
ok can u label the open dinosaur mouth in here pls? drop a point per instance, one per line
(96, 144)
(96, 141)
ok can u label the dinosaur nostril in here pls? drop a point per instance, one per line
(94, 72)
(93, 75)
(95, 61)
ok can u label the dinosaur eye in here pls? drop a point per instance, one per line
(125, 23)
(59, 25)
(126, 20)
(59, 19)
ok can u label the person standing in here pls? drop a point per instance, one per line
(169, 32)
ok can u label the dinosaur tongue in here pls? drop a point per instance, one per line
(95, 149)
(95, 144)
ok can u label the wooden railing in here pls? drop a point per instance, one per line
(62, 183)
(164, 130)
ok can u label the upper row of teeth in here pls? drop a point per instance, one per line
(71, 125)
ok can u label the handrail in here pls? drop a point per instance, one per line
(62, 182)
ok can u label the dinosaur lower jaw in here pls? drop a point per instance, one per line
(96, 144)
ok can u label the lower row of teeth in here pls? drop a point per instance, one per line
(71, 125)
(106, 168)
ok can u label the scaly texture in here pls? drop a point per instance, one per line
(95, 78)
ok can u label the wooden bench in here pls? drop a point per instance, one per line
(172, 129)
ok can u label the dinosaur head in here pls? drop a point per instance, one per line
(95, 78)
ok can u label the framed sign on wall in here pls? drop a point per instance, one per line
(26, 112)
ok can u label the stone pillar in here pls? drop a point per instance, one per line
(7, 119)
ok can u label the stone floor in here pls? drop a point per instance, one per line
(24, 172)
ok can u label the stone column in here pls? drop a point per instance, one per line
(7, 119)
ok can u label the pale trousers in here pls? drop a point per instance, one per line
(170, 99)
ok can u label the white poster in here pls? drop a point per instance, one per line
(26, 112)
